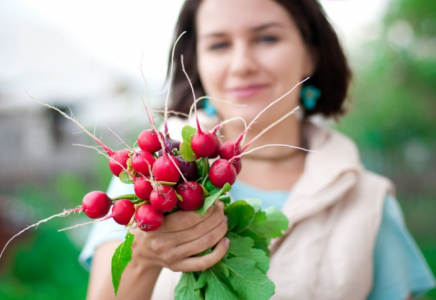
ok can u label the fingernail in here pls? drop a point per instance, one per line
(220, 204)
(226, 241)
(225, 219)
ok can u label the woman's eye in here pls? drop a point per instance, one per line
(267, 39)
(217, 46)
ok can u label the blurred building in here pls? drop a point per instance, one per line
(39, 60)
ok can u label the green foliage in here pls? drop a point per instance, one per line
(185, 146)
(120, 259)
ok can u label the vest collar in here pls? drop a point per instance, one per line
(328, 174)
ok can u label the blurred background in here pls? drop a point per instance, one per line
(87, 56)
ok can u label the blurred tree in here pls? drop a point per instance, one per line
(393, 112)
(394, 95)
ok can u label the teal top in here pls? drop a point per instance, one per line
(399, 267)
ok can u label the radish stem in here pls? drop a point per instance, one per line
(263, 110)
(62, 214)
(268, 128)
(169, 88)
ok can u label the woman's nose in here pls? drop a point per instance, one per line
(243, 61)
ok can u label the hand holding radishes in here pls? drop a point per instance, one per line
(184, 234)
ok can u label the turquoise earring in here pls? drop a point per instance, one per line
(309, 96)
(209, 108)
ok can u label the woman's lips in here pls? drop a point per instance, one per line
(246, 91)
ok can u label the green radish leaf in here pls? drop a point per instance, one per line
(225, 199)
(269, 224)
(210, 200)
(276, 222)
(179, 197)
(185, 289)
(215, 289)
(125, 178)
(247, 280)
(205, 191)
(187, 133)
(243, 247)
(186, 151)
(259, 242)
(209, 186)
(256, 203)
(120, 259)
(240, 215)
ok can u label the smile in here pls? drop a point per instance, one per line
(247, 91)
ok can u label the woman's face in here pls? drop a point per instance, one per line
(250, 52)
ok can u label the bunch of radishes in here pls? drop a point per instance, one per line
(163, 179)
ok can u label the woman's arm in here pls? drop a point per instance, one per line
(182, 235)
(137, 282)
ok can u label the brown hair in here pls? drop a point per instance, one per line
(332, 74)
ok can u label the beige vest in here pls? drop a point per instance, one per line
(334, 213)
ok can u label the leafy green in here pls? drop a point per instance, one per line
(240, 215)
(120, 259)
(213, 196)
(187, 133)
(186, 152)
(203, 170)
(243, 247)
(185, 147)
(186, 287)
(125, 178)
(247, 280)
(215, 289)
(269, 224)
(209, 186)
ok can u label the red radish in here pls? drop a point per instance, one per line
(222, 172)
(96, 204)
(123, 211)
(142, 187)
(165, 169)
(229, 149)
(204, 144)
(119, 162)
(192, 194)
(147, 218)
(163, 198)
(238, 166)
(142, 162)
(148, 140)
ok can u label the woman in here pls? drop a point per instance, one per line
(346, 237)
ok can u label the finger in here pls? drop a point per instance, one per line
(200, 229)
(204, 242)
(195, 264)
(181, 220)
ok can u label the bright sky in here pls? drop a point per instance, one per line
(120, 32)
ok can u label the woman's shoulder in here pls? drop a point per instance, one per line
(400, 268)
